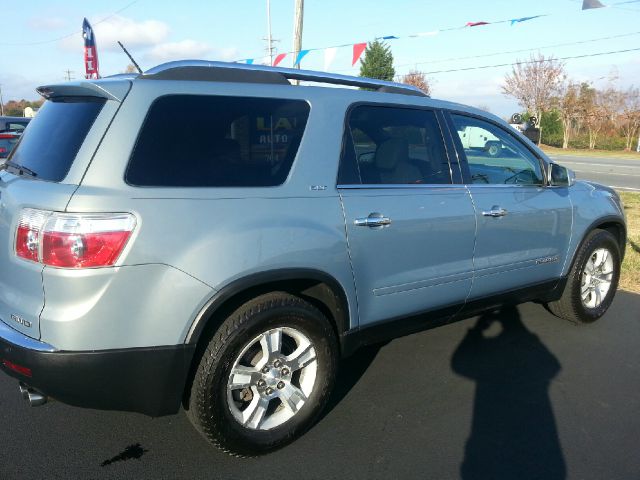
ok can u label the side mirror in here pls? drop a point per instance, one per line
(560, 176)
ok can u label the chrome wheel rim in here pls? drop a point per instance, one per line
(272, 378)
(596, 278)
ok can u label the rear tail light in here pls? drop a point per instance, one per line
(73, 240)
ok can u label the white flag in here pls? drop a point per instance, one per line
(329, 57)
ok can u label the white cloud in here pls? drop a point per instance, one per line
(131, 33)
(189, 49)
(47, 23)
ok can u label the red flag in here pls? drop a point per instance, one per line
(279, 58)
(90, 51)
(476, 24)
(358, 48)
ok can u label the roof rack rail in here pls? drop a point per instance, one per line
(204, 70)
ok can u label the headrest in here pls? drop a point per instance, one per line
(391, 152)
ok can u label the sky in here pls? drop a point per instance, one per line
(42, 40)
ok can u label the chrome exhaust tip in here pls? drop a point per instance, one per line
(24, 391)
(34, 398)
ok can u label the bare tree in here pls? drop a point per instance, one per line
(535, 83)
(568, 105)
(419, 80)
(630, 115)
(600, 108)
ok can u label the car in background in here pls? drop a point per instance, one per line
(8, 141)
(13, 124)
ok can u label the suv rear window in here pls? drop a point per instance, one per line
(50, 144)
(216, 141)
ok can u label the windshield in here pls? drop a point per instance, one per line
(50, 144)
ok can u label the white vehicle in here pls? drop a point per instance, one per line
(478, 138)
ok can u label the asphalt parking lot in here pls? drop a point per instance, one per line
(530, 397)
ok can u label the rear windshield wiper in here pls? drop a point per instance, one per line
(21, 170)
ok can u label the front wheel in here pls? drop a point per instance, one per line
(265, 376)
(593, 280)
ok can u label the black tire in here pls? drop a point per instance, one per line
(493, 149)
(209, 408)
(570, 305)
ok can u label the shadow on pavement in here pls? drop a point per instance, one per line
(513, 432)
(132, 452)
(351, 370)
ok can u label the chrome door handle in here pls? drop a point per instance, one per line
(495, 211)
(373, 220)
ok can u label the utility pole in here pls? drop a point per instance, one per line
(1, 102)
(68, 75)
(269, 39)
(298, 6)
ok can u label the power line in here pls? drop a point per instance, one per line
(495, 54)
(464, 69)
(28, 44)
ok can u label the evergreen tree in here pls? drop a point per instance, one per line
(377, 62)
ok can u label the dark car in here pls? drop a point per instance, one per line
(13, 124)
(8, 140)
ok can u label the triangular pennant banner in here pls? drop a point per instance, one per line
(389, 37)
(329, 57)
(358, 48)
(279, 58)
(589, 4)
(249, 61)
(476, 24)
(300, 56)
(425, 34)
(523, 19)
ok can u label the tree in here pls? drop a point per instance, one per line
(568, 106)
(535, 83)
(377, 62)
(630, 115)
(598, 108)
(417, 79)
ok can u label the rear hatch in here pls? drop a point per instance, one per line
(42, 172)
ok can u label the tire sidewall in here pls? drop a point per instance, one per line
(315, 327)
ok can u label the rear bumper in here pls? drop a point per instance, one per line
(146, 380)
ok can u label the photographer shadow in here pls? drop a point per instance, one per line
(513, 432)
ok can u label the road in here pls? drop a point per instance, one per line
(540, 399)
(622, 174)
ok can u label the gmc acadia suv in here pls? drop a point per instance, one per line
(209, 235)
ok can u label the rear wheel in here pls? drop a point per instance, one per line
(493, 148)
(593, 280)
(265, 376)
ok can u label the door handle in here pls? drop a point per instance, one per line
(373, 220)
(495, 211)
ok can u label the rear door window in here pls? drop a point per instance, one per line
(50, 144)
(391, 146)
(217, 141)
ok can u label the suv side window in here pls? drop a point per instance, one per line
(393, 145)
(495, 156)
(220, 142)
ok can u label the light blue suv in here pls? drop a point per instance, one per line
(209, 235)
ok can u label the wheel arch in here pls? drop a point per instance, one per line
(612, 224)
(317, 287)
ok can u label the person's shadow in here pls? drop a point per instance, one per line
(513, 434)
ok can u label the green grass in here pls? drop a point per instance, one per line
(630, 278)
(591, 153)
